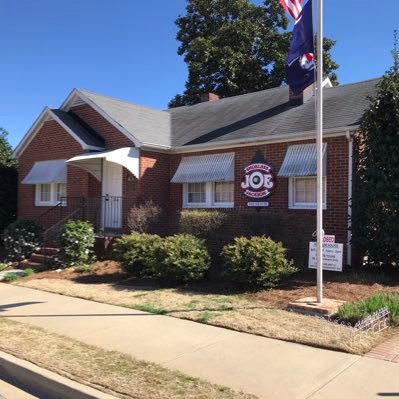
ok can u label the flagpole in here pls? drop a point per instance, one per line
(319, 145)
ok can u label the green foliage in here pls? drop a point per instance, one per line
(201, 223)
(376, 200)
(355, 311)
(143, 217)
(138, 254)
(83, 269)
(75, 242)
(21, 239)
(184, 259)
(3, 266)
(147, 307)
(28, 272)
(10, 277)
(234, 47)
(257, 262)
(8, 182)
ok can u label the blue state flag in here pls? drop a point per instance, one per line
(299, 67)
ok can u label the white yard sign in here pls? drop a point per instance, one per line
(332, 256)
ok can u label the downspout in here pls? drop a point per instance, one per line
(350, 179)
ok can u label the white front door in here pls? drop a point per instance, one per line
(112, 195)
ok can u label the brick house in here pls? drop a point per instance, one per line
(251, 155)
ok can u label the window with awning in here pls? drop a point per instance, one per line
(208, 180)
(47, 172)
(300, 166)
(49, 178)
(301, 160)
(205, 168)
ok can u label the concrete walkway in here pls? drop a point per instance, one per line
(265, 367)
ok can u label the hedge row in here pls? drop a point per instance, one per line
(182, 258)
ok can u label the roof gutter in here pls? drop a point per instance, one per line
(342, 131)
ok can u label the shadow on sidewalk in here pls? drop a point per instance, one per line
(16, 305)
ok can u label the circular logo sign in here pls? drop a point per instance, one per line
(258, 180)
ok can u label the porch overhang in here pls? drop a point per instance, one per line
(128, 157)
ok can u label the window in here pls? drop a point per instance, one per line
(208, 195)
(302, 192)
(196, 193)
(50, 194)
(224, 192)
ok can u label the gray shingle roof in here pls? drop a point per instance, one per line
(265, 113)
(148, 125)
(88, 136)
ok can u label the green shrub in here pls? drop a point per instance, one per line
(28, 272)
(353, 312)
(256, 262)
(143, 217)
(201, 223)
(3, 266)
(83, 269)
(76, 240)
(21, 239)
(184, 259)
(9, 277)
(138, 253)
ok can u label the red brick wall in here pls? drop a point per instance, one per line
(335, 216)
(51, 142)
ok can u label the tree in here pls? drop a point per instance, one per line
(8, 182)
(376, 204)
(235, 47)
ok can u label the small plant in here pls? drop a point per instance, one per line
(76, 240)
(83, 269)
(21, 239)
(147, 307)
(143, 217)
(257, 262)
(10, 277)
(3, 266)
(184, 259)
(28, 272)
(353, 312)
(138, 253)
(201, 223)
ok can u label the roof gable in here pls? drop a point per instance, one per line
(86, 140)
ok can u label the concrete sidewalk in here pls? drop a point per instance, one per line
(265, 367)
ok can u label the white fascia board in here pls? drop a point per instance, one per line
(262, 140)
(31, 133)
(76, 93)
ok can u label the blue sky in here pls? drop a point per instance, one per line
(127, 49)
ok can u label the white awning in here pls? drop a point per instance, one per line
(301, 160)
(204, 168)
(44, 172)
(128, 157)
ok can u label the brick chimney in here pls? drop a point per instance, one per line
(303, 97)
(204, 97)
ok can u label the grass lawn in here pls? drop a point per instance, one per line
(109, 371)
(260, 313)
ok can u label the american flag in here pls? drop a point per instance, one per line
(293, 7)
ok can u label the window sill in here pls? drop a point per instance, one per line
(205, 206)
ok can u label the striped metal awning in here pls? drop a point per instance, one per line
(205, 168)
(301, 160)
(46, 172)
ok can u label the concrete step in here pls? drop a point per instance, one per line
(40, 258)
(26, 264)
(47, 250)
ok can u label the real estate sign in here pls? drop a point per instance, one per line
(332, 254)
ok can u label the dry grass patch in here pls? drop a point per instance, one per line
(109, 371)
(237, 312)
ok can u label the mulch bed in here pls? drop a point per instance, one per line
(348, 286)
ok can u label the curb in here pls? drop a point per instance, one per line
(44, 382)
